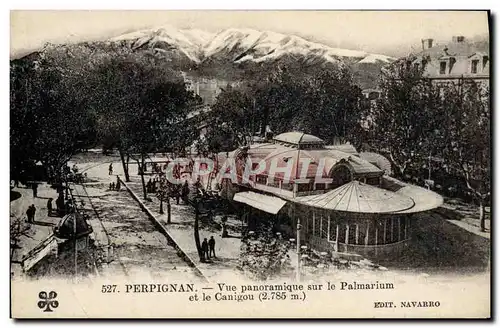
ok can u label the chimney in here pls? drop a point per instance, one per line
(458, 38)
(427, 43)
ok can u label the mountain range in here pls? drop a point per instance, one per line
(240, 45)
(243, 49)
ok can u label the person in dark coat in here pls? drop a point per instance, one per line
(118, 184)
(49, 206)
(185, 191)
(110, 169)
(33, 208)
(211, 246)
(204, 248)
(31, 213)
(34, 187)
(60, 205)
(28, 213)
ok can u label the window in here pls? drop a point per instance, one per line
(474, 65)
(303, 187)
(375, 181)
(485, 61)
(452, 62)
(317, 225)
(324, 227)
(262, 179)
(442, 68)
(340, 176)
(320, 186)
(274, 182)
(424, 63)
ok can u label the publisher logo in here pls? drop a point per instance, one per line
(47, 302)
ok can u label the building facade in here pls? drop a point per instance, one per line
(340, 201)
(455, 60)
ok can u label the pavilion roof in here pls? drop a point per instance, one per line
(357, 197)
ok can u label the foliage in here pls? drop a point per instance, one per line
(467, 146)
(404, 121)
(67, 98)
(444, 124)
(49, 118)
(265, 256)
(140, 103)
(320, 102)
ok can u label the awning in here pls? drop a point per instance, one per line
(262, 202)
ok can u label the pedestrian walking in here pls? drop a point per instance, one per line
(60, 205)
(185, 191)
(118, 184)
(49, 206)
(33, 209)
(211, 246)
(110, 169)
(34, 187)
(29, 212)
(204, 248)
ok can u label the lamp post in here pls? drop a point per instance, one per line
(430, 169)
(298, 249)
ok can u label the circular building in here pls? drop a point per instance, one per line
(338, 200)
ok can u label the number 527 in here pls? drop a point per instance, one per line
(108, 289)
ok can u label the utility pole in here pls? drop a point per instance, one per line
(298, 249)
(296, 189)
(253, 122)
(70, 194)
(429, 184)
(76, 250)
(75, 212)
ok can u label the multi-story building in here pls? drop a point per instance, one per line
(459, 59)
(207, 89)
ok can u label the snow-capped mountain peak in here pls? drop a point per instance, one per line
(241, 45)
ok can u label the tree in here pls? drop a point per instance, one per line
(18, 229)
(50, 121)
(467, 132)
(405, 118)
(232, 116)
(164, 193)
(323, 102)
(194, 200)
(141, 105)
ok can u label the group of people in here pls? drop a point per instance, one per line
(152, 185)
(115, 186)
(30, 213)
(208, 248)
(62, 206)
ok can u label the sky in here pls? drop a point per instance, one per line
(392, 33)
